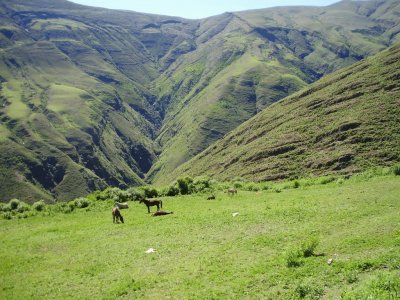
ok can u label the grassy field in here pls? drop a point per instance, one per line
(203, 251)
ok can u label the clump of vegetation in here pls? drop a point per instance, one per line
(307, 290)
(39, 205)
(383, 286)
(294, 257)
(396, 169)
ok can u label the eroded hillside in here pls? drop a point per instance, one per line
(93, 97)
(344, 123)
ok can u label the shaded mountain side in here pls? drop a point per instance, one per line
(75, 114)
(91, 97)
(344, 123)
(246, 61)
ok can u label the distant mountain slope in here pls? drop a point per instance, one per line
(246, 61)
(345, 122)
(91, 97)
(75, 111)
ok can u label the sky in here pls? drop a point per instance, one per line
(196, 9)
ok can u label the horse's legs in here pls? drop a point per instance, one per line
(158, 207)
(148, 208)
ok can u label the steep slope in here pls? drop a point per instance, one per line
(345, 122)
(93, 97)
(246, 61)
(74, 108)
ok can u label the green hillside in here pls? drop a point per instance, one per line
(344, 123)
(254, 245)
(92, 97)
(246, 61)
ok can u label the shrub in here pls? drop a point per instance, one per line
(39, 205)
(325, 180)
(81, 202)
(201, 184)
(293, 258)
(172, 190)
(185, 185)
(307, 290)
(150, 192)
(4, 207)
(136, 194)
(22, 207)
(307, 247)
(296, 184)
(238, 184)
(14, 203)
(7, 215)
(396, 169)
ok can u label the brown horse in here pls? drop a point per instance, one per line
(117, 215)
(232, 192)
(152, 202)
(161, 213)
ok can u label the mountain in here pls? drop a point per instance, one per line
(91, 97)
(344, 123)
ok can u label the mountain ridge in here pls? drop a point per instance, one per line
(93, 97)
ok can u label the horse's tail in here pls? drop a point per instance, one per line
(161, 203)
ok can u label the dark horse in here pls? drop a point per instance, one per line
(161, 213)
(152, 202)
(117, 215)
(232, 192)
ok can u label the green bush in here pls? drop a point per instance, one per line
(81, 202)
(326, 179)
(201, 184)
(7, 215)
(39, 205)
(307, 290)
(14, 203)
(136, 194)
(172, 190)
(307, 247)
(4, 207)
(396, 169)
(296, 184)
(150, 192)
(185, 185)
(293, 258)
(238, 184)
(23, 207)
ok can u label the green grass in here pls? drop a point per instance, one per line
(203, 252)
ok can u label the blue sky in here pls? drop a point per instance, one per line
(196, 9)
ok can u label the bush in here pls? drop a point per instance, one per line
(4, 207)
(23, 207)
(14, 203)
(136, 194)
(7, 215)
(307, 290)
(185, 185)
(201, 184)
(307, 247)
(172, 190)
(396, 169)
(296, 184)
(326, 180)
(39, 205)
(150, 192)
(81, 202)
(238, 184)
(293, 258)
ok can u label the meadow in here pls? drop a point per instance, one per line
(264, 244)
